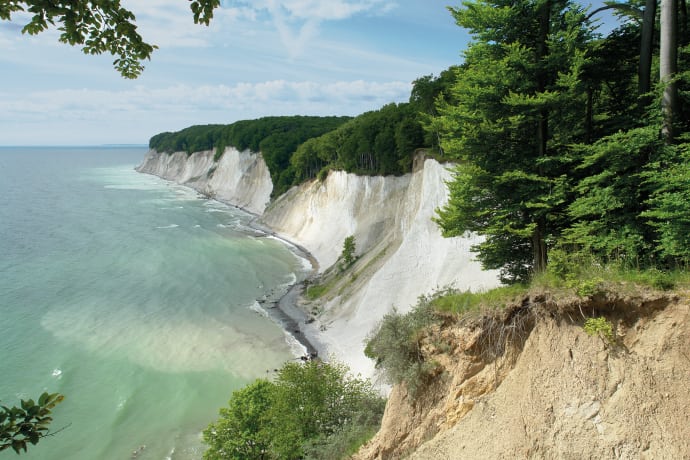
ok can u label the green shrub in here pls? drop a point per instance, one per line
(323, 174)
(395, 345)
(600, 327)
(660, 280)
(587, 287)
(348, 254)
(317, 290)
(345, 442)
(242, 431)
(310, 407)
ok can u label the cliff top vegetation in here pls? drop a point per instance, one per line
(301, 148)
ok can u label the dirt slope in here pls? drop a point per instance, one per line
(556, 392)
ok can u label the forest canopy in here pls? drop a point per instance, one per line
(300, 148)
(566, 139)
(563, 138)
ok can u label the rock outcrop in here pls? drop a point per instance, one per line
(555, 392)
(239, 178)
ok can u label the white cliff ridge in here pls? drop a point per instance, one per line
(402, 253)
(239, 178)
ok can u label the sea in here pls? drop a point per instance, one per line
(133, 297)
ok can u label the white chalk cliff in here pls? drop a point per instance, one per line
(403, 254)
(239, 178)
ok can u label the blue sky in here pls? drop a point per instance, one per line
(258, 58)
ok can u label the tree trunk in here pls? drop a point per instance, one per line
(683, 26)
(538, 243)
(542, 52)
(539, 248)
(668, 65)
(644, 71)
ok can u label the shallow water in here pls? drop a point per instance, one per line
(133, 297)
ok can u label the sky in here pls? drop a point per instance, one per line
(257, 58)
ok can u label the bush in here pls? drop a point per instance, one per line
(311, 407)
(395, 345)
(601, 327)
(323, 174)
(242, 430)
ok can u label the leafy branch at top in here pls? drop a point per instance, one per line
(27, 423)
(98, 27)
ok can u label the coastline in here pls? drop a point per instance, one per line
(284, 310)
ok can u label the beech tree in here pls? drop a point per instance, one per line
(98, 27)
(28, 423)
(668, 56)
(311, 410)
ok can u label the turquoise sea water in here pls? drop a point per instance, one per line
(133, 297)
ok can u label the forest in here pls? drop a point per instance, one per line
(565, 139)
(569, 141)
(300, 148)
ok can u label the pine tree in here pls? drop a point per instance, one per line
(517, 105)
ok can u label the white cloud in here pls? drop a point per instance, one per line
(298, 21)
(319, 10)
(336, 96)
(136, 114)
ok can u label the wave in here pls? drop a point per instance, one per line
(297, 349)
(294, 345)
(256, 307)
(296, 250)
(169, 226)
(287, 285)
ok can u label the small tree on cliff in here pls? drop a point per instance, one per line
(348, 254)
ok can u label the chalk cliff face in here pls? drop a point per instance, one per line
(403, 254)
(401, 251)
(240, 178)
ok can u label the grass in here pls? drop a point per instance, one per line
(585, 282)
(316, 291)
(334, 276)
(461, 302)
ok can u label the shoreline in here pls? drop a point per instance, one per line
(285, 310)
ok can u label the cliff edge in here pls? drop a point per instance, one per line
(530, 383)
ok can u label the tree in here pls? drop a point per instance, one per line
(314, 401)
(310, 406)
(242, 430)
(612, 194)
(98, 27)
(668, 62)
(517, 105)
(27, 423)
(349, 248)
(669, 211)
